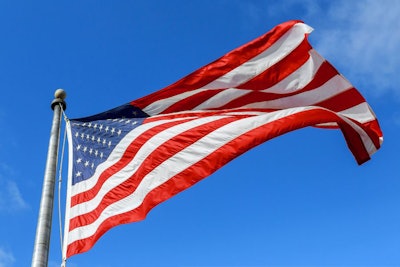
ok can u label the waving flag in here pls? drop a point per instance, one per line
(125, 161)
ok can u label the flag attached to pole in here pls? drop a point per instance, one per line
(125, 161)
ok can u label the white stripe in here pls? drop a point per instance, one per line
(331, 88)
(222, 98)
(159, 106)
(68, 197)
(130, 169)
(368, 144)
(299, 78)
(245, 72)
(361, 113)
(179, 162)
(238, 112)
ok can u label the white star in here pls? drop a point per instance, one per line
(109, 143)
(101, 127)
(112, 130)
(79, 160)
(78, 174)
(85, 149)
(78, 147)
(76, 134)
(86, 163)
(119, 132)
(91, 151)
(107, 128)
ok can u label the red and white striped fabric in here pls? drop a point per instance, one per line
(149, 150)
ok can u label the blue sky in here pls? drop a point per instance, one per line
(297, 200)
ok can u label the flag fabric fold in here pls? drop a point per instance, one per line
(125, 161)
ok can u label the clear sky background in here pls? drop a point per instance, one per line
(298, 200)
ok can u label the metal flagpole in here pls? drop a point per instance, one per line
(43, 230)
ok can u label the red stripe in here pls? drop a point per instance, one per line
(343, 100)
(201, 114)
(281, 69)
(192, 101)
(374, 132)
(323, 74)
(218, 68)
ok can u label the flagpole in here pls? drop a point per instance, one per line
(43, 229)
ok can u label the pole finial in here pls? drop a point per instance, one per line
(59, 95)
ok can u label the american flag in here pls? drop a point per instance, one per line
(125, 161)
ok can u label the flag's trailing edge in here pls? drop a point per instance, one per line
(125, 161)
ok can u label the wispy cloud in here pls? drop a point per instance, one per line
(6, 258)
(10, 196)
(15, 196)
(396, 118)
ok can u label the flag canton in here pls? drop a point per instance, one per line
(94, 141)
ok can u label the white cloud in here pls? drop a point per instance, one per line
(15, 196)
(6, 258)
(362, 37)
(10, 196)
(396, 118)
